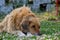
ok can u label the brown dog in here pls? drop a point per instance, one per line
(22, 19)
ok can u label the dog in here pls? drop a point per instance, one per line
(21, 19)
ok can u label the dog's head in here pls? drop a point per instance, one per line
(30, 24)
(26, 21)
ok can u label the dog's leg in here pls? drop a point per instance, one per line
(18, 33)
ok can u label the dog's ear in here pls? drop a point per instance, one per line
(25, 25)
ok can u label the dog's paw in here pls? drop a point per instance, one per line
(29, 34)
(20, 34)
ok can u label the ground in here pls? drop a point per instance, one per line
(50, 30)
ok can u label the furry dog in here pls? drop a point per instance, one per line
(21, 19)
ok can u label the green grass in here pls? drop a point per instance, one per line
(49, 27)
(50, 31)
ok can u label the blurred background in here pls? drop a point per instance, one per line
(7, 6)
(46, 7)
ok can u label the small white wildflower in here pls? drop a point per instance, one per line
(49, 39)
(49, 36)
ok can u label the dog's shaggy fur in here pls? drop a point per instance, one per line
(20, 19)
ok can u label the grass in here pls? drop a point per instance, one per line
(50, 31)
(51, 28)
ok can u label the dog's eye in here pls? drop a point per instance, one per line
(33, 26)
(39, 27)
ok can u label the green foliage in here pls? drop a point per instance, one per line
(7, 36)
(50, 27)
